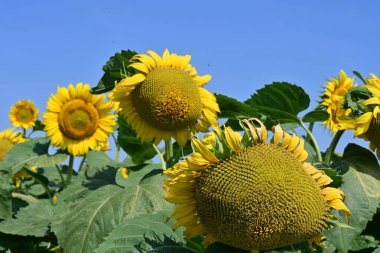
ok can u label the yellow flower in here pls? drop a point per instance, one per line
(77, 120)
(252, 194)
(7, 140)
(368, 124)
(23, 114)
(103, 146)
(333, 99)
(124, 172)
(166, 98)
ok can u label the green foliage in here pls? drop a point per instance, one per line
(6, 189)
(315, 116)
(361, 185)
(281, 101)
(145, 232)
(139, 151)
(30, 153)
(222, 248)
(92, 218)
(32, 220)
(115, 69)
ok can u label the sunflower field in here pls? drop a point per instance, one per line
(203, 173)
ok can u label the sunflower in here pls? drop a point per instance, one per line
(8, 139)
(78, 121)
(103, 146)
(166, 98)
(368, 124)
(333, 99)
(252, 194)
(23, 114)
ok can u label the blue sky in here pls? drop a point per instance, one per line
(242, 44)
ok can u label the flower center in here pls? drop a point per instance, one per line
(78, 119)
(5, 146)
(260, 198)
(168, 99)
(24, 115)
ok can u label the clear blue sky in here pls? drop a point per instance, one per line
(242, 44)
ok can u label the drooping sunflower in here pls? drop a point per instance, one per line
(252, 194)
(77, 120)
(23, 114)
(8, 139)
(367, 126)
(333, 100)
(166, 98)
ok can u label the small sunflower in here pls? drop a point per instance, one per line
(368, 124)
(166, 98)
(103, 146)
(8, 139)
(333, 99)
(23, 114)
(252, 194)
(77, 120)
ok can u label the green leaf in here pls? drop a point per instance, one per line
(316, 116)
(32, 220)
(364, 242)
(139, 151)
(30, 153)
(92, 218)
(280, 101)
(361, 185)
(231, 107)
(143, 233)
(222, 248)
(138, 173)
(6, 188)
(115, 69)
(356, 73)
(38, 126)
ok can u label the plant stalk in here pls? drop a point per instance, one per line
(70, 170)
(160, 155)
(168, 153)
(331, 149)
(117, 155)
(313, 140)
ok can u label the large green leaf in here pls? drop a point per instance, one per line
(222, 248)
(231, 107)
(143, 233)
(30, 153)
(280, 101)
(115, 68)
(92, 218)
(315, 116)
(361, 185)
(6, 189)
(139, 151)
(32, 220)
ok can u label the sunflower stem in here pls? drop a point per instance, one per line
(313, 140)
(168, 153)
(23, 132)
(117, 156)
(70, 170)
(60, 174)
(161, 156)
(331, 149)
(82, 163)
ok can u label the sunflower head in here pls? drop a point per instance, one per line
(367, 126)
(8, 139)
(77, 120)
(249, 193)
(23, 114)
(333, 100)
(165, 98)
